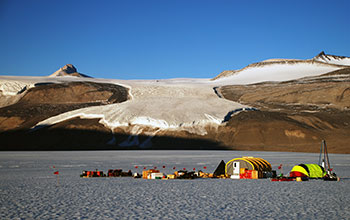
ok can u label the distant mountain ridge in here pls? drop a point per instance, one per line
(320, 64)
(332, 59)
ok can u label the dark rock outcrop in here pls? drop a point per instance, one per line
(44, 101)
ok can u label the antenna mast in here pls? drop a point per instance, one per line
(325, 160)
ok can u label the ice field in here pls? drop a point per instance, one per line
(30, 190)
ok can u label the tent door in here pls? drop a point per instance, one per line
(236, 169)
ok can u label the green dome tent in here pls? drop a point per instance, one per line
(308, 170)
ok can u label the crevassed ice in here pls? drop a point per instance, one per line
(12, 88)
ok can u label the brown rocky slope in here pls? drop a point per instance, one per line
(46, 100)
(294, 115)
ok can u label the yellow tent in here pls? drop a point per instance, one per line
(249, 163)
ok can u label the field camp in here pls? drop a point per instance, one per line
(237, 168)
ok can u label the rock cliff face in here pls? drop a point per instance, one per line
(88, 114)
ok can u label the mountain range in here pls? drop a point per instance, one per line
(273, 105)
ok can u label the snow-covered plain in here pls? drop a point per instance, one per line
(29, 189)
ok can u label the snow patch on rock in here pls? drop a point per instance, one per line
(147, 121)
(12, 88)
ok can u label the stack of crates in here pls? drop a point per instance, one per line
(147, 174)
(248, 174)
(92, 174)
(156, 176)
(171, 176)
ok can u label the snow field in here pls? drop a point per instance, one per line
(12, 88)
(166, 107)
(276, 72)
(30, 190)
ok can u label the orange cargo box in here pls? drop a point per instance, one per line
(249, 174)
(255, 174)
(145, 173)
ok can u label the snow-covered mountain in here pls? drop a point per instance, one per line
(283, 69)
(332, 59)
(289, 107)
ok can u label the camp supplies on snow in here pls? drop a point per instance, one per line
(118, 173)
(205, 175)
(248, 168)
(304, 172)
(184, 174)
(152, 174)
(156, 176)
(171, 176)
(137, 175)
(87, 174)
(287, 179)
(322, 170)
(220, 170)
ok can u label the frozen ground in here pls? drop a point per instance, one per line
(29, 189)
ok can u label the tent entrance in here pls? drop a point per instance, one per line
(236, 170)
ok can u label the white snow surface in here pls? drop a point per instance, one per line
(277, 72)
(30, 190)
(12, 85)
(12, 88)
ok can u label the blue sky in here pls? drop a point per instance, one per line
(156, 39)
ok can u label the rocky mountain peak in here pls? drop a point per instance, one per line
(332, 59)
(68, 70)
(321, 54)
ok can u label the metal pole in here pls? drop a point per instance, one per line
(321, 149)
(327, 158)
